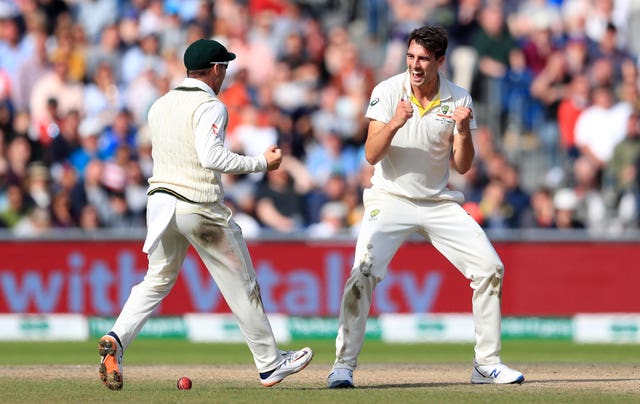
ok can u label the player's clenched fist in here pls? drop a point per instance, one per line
(273, 156)
(404, 111)
(462, 116)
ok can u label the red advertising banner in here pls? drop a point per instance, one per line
(306, 279)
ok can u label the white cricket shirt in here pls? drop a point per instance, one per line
(416, 165)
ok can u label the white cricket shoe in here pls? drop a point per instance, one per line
(340, 378)
(110, 369)
(495, 374)
(294, 362)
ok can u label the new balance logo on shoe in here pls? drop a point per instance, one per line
(495, 374)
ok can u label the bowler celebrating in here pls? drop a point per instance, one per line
(420, 125)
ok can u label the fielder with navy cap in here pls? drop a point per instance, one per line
(186, 207)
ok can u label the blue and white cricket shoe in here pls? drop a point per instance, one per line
(495, 374)
(340, 378)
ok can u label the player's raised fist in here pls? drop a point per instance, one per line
(404, 111)
(462, 116)
(273, 156)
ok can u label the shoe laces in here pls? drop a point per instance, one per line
(340, 370)
(290, 356)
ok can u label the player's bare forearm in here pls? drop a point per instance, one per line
(380, 134)
(463, 152)
(379, 138)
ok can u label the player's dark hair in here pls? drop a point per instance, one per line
(433, 38)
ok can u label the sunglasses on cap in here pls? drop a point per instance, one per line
(220, 63)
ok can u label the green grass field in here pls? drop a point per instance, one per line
(67, 372)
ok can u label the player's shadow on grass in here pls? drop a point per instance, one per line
(526, 382)
(408, 385)
(601, 380)
(440, 384)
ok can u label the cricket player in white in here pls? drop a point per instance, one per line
(186, 207)
(420, 125)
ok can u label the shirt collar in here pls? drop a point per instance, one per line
(444, 90)
(444, 93)
(191, 82)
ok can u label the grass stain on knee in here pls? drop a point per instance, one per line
(367, 263)
(255, 297)
(352, 299)
(496, 282)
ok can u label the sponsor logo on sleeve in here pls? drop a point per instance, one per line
(373, 214)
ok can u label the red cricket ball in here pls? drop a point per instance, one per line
(184, 383)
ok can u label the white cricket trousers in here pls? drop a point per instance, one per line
(387, 222)
(224, 252)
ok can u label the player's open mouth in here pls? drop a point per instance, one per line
(417, 75)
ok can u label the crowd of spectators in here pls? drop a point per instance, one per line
(556, 78)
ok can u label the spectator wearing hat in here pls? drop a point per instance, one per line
(37, 184)
(565, 202)
(89, 130)
(332, 222)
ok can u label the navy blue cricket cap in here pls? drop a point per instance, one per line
(203, 53)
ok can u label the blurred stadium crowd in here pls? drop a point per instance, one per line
(555, 85)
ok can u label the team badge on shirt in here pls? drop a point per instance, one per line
(444, 115)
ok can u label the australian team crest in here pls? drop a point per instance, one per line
(444, 109)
